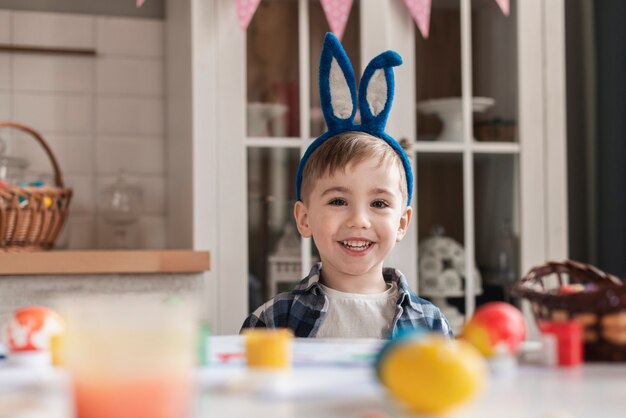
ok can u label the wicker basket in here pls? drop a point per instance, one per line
(600, 308)
(32, 217)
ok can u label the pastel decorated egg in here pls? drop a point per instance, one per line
(496, 324)
(431, 374)
(30, 329)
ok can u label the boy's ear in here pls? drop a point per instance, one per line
(301, 213)
(405, 221)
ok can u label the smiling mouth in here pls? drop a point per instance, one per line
(356, 245)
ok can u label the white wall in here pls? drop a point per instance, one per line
(151, 8)
(98, 113)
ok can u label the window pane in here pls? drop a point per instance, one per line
(441, 258)
(351, 43)
(494, 70)
(272, 70)
(497, 224)
(438, 75)
(273, 240)
(440, 194)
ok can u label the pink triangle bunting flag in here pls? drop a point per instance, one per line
(420, 11)
(337, 12)
(504, 6)
(245, 11)
(140, 3)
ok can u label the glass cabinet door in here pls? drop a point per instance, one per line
(493, 180)
(466, 153)
(496, 216)
(472, 179)
(284, 42)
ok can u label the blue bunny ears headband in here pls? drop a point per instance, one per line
(338, 98)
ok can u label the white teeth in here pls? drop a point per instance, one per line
(357, 245)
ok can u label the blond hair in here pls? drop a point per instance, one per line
(337, 152)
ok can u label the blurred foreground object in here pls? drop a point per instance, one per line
(568, 342)
(496, 324)
(430, 373)
(572, 291)
(29, 332)
(269, 348)
(130, 358)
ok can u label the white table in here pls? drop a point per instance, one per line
(591, 391)
(226, 391)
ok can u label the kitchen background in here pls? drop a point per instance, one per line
(100, 100)
(101, 110)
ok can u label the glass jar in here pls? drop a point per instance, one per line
(121, 206)
(11, 168)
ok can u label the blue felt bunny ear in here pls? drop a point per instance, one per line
(337, 85)
(376, 90)
(338, 99)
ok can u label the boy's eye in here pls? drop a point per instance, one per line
(337, 202)
(379, 204)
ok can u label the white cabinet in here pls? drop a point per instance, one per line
(244, 106)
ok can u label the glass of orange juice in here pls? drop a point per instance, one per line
(130, 357)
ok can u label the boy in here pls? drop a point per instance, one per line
(354, 188)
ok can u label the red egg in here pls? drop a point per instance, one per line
(30, 329)
(493, 324)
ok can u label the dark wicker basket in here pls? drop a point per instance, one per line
(601, 309)
(32, 217)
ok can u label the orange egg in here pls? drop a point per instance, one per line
(494, 324)
(30, 329)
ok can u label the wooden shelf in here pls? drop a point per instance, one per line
(28, 49)
(103, 262)
(458, 147)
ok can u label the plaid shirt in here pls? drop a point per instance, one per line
(304, 308)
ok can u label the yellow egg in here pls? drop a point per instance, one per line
(433, 374)
(478, 336)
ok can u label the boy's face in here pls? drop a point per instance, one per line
(355, 217)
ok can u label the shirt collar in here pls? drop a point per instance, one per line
(394, 275)
(391, 275)
(311, 282)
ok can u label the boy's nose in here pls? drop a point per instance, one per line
(358, 218)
